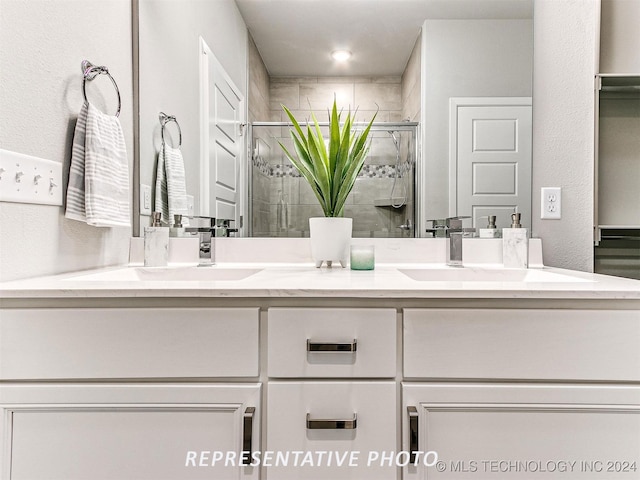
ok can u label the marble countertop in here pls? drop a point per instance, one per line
(299, 280)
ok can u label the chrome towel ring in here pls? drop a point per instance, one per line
(89, 72)
(164, 119)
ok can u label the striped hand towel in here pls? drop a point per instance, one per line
(98, 190)
(75, 190)
(171, 189)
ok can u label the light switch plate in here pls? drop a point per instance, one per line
(145, 199)
(29, 179)
(551, 203)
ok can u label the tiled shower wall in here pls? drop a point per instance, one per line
(282, 201)
(292, 202)
(259, 111)
(366, 94)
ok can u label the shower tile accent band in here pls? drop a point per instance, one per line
(368, 171)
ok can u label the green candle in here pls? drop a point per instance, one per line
(362, 257)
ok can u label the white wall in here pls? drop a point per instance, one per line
(169, 72)
(563, 126)
(620, 37)
(466, 58)
(41, 46)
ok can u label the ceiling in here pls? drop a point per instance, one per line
(296, 37)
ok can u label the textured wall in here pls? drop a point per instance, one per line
(258, 85)
(411, 84)
(41, 46)
(563, 122)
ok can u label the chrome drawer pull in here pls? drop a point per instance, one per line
(331, 347)
(247, 434)
(332, 424)
(413, 433)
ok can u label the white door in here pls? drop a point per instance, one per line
(222, 144)
(527, 431)
(134, 431)
(490, 159)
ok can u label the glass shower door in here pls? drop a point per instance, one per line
(382, 202)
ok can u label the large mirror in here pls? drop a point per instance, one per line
(460, 70)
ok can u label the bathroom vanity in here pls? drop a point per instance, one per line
(150, 373)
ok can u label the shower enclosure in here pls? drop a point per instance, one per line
(381, 202)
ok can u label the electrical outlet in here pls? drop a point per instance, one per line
(145, 199)
(551, 203)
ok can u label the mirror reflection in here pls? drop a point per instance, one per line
(453, 95)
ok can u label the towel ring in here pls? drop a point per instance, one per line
(164, 119)
(91, 71)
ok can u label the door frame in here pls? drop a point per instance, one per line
(207, 56)
(455, 103)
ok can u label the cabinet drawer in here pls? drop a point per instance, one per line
(366, 412)
(522, 344)
(128, 343)
(331, 342)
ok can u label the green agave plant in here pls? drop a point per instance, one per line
(331, 167)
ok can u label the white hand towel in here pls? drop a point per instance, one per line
(171, 188)
(100, 165)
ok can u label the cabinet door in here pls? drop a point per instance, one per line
(333, 426)
(498, 431)
(61, 343)
(118, 431)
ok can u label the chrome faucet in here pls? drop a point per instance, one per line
(207, 254)
(207, 235)
(451, 228)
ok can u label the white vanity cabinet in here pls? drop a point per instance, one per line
(332, 342)
(522, 344)
(118, 343)
(520, 394)
(128, 431)
(522, 431)
(132, 393)
(320, 397)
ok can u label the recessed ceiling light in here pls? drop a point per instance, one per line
(341, 55)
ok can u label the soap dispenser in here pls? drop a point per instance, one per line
(515, 244)
(177, 230)
(156, 243)
(491, 231)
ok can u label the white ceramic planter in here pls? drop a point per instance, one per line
(330, 239)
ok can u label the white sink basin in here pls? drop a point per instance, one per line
(170, 274)
(464, 274)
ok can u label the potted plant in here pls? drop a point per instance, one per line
(331, 167)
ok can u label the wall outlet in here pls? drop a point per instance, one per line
(551, 203)
(145, 199)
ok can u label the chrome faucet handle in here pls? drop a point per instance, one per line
(206, 236)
